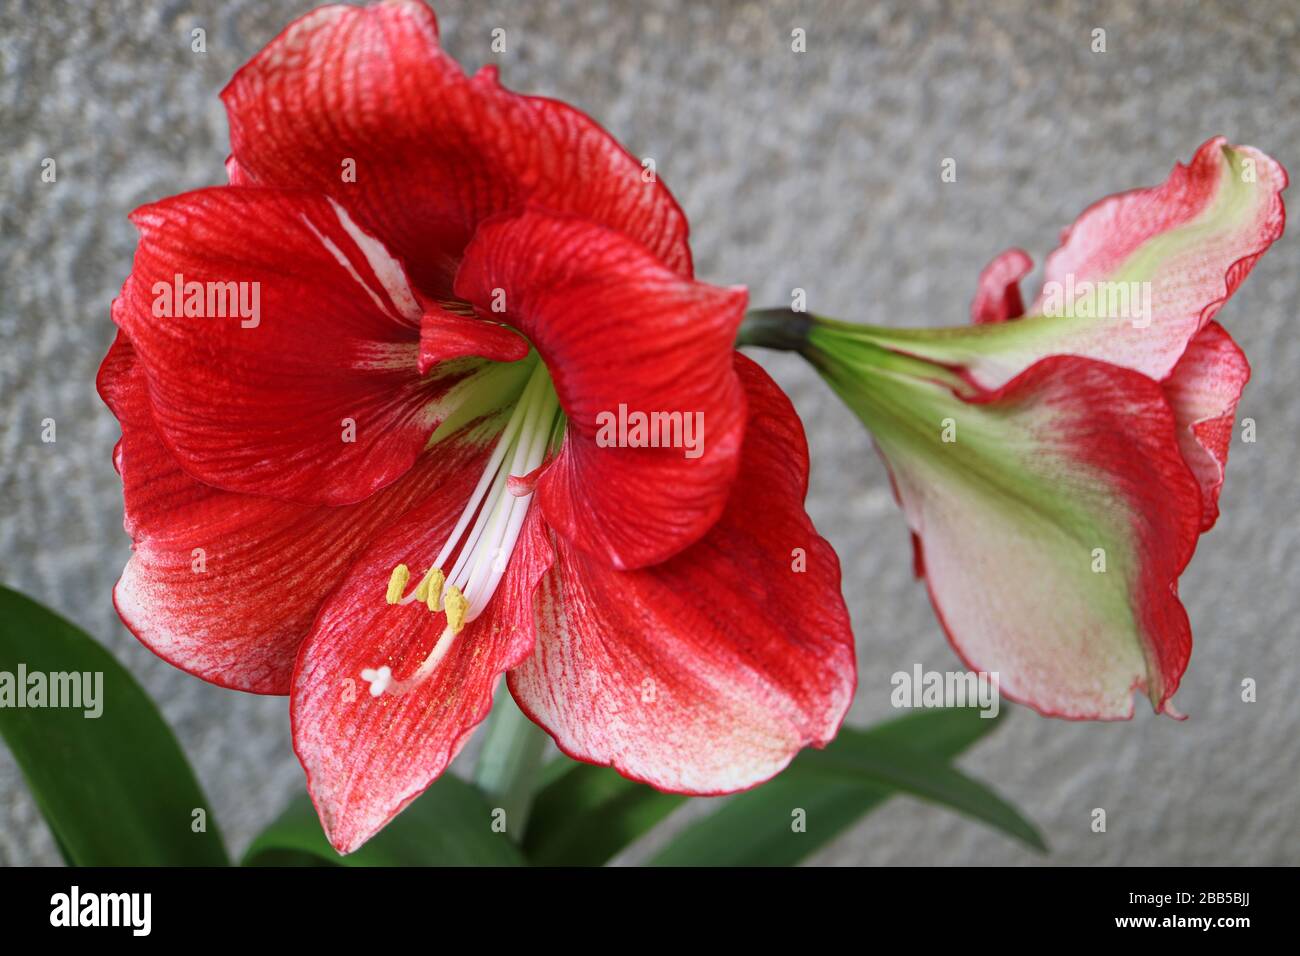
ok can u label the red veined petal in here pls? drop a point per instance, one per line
(226, 585)
(622, 336)
(1195, 238)
(315, 396)
(1203, 390)
(1135, 278)
(364, 105)
(709, 672)
(1190, 241)
(1053, 527)
(997, 297)
(446, 335)
(234, 174)
(367, 757)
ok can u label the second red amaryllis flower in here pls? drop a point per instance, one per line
(386, 489)
(1057, 464)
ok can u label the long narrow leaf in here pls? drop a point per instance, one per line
(911, 771)
(584, 815)
(791, 817)
(115, 789)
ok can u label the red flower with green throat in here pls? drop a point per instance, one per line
(385, 489)
(366, 393)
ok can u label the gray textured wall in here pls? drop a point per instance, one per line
(819, 171)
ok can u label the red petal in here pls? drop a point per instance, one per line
(368, 757)
(445, 336)
(1204, 389)
(266, 565)
(1136, 277)
(1194, 239)
(998, 296)
(619, 331)
(434, 151)
(263, 404)
(1070, 456)
(234, 174)
(708, 673)
(521, 485)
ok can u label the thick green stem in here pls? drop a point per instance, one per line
(863, 347)
(509, 762)
(782, 329)
(789, 331)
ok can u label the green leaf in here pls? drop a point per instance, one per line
(583, 815)
(450, 824)
(116, 789)
(837, 786)
(921, 775)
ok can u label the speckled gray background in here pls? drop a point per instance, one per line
(818, 170)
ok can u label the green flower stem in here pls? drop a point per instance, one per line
(509, 762)
(828, 343)
(781, 329)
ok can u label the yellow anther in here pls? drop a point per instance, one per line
(456, 608)
(397, 583)
(422, 589)
(433, 595)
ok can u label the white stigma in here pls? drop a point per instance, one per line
(379, 679)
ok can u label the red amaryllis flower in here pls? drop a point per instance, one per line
(362, 392)
(1057, 467)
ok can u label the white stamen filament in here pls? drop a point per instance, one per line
(492, 554)
(498, 519)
